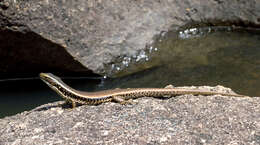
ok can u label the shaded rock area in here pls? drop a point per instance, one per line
(44, 56)
(98, 32)
(185, 119)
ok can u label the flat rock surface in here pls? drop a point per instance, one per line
(185, 119)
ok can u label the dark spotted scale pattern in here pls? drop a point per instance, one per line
(82, 100)
(118, 95)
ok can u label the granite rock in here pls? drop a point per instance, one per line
(91, 35)
(185, 119)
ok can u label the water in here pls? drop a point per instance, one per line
(17, 96)
(206, 56)
(26, 94)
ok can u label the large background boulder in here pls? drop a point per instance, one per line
(38, 35)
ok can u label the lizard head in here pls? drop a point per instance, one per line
(51, 80)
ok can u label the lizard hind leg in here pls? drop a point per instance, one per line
(122, 101)
(168, 87)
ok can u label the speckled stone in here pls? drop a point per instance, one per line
(185, 119)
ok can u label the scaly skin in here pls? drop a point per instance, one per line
(121, 96)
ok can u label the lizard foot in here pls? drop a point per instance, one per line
(169, 87)
(68, 104)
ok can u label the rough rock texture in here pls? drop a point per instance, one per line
(97, 32)
(183, 119)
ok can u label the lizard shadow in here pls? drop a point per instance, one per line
(66, 105)
(63, 105)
